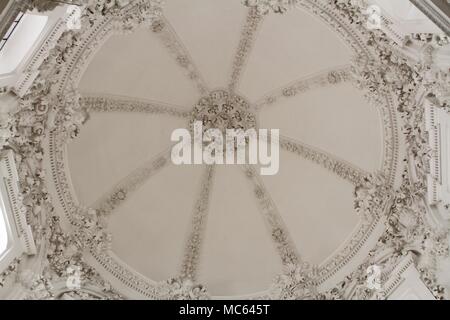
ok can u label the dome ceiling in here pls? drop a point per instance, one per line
(149, 226)
(149, 231)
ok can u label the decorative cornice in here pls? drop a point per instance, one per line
(246, 41)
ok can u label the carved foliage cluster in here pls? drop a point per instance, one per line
(406, 232)
(266, 6)
(41, 5)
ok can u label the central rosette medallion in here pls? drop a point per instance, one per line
(223, 110)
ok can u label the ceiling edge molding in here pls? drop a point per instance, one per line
(435, 14)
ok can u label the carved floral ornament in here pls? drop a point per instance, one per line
(53, 112)
(47, 5)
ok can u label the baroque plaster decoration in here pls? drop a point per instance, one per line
(12, 268)
(53, 112)
(43, 5)
(123, 190)
(169, 38)
(329, 77)
(223, 110)
(190, 260)
(264, 7)
(119, 104)
(245, 45)
(339, 167)
(435, 15)
(280, 235)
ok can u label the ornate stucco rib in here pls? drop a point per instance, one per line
(338, 166)
(278, 230)
(195, 237)
(167, 35)
(248, 36)
(319, 80)
(123, 189)
(103, 103)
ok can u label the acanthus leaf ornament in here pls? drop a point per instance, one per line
(266, 6)
(370, 195)
(296, 283)
(181, 289)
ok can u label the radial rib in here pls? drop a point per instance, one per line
(167, 35)
(103, 103)
(322, 79)
(248, 36)
(195, 237)
(278, 231)
(341, 168)
(132, 182)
